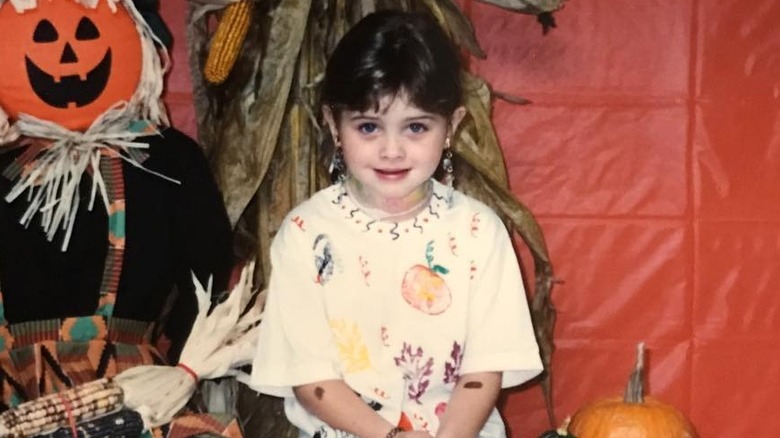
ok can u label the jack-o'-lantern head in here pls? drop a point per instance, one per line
(68, 63)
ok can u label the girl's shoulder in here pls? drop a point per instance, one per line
(316, 208)
(464, 205)
(319, 202)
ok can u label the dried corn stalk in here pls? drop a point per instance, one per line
(528, 6)
(543, 9)
(262, 135)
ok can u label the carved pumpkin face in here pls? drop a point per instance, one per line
(67, 63)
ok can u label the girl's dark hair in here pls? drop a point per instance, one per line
(389, 52)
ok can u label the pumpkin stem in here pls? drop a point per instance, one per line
(564, 429)
(635, 389)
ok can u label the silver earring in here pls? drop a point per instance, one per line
(338, 169)
(446, 165)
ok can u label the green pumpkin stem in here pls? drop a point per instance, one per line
(635, 388)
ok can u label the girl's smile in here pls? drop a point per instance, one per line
(392, 174)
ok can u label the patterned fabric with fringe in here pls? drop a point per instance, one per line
(44, 357)
(203, 424)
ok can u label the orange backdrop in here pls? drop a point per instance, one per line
(651, 156)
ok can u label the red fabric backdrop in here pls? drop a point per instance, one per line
(651, 156)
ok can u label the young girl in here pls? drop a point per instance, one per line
(395, 306)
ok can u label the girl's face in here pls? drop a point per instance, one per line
(392, 152)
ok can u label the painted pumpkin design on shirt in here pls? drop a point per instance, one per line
(424, 289)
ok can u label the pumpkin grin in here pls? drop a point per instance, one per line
(72, 89)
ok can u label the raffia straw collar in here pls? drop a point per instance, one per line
(51, 176)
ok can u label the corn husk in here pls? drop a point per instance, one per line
(221, 340)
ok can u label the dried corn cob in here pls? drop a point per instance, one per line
(227, 41)
(125, 423)
(63, 409)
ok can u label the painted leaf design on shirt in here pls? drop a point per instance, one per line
(352, 349)
(417, 370)
(451, 369)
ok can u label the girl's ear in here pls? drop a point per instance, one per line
(457, 117)
(327, 113)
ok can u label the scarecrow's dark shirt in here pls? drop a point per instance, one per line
(171, 231)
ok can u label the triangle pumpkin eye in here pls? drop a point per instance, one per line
(87, 30)
(45, 32)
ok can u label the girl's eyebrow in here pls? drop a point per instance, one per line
(363, 116)
(367, 116)
(420, 117)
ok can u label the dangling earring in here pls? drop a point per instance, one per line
(338, 169)
(446, 165)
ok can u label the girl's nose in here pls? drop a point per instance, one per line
(392, 148)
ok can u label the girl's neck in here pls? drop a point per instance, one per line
(394, 209)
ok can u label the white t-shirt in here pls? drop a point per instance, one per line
(396, 310)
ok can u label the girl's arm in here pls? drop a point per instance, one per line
(470, 405)
(333, 402)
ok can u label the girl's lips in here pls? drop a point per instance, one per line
(391, 173)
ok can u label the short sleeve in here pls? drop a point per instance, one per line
(500, 335)
(295, 345)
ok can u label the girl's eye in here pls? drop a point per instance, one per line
(367, 128)
(417, 128)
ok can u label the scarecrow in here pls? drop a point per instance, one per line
(108, 212)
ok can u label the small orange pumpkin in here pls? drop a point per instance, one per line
(67, 63)
(631, 416)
